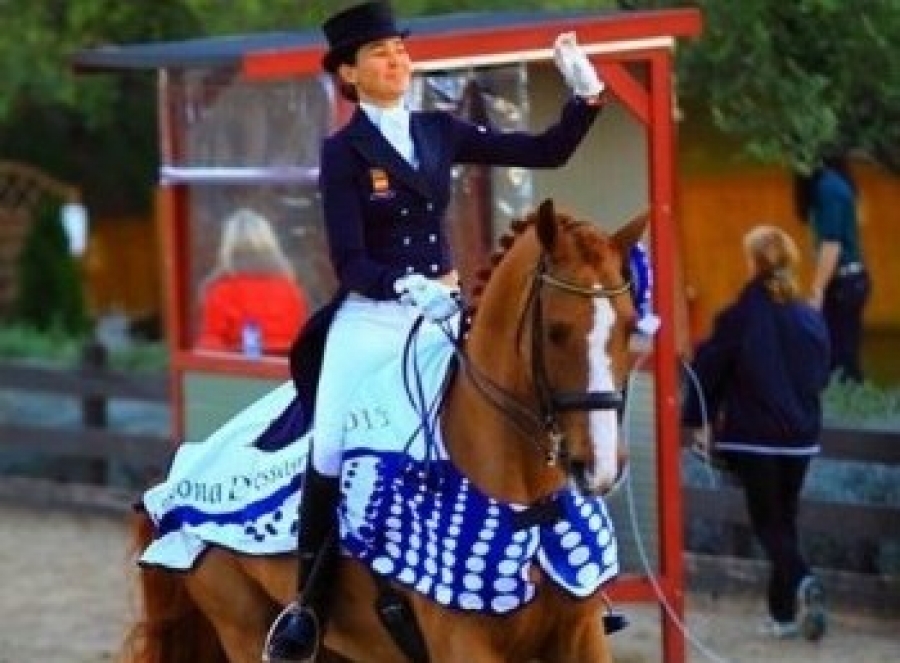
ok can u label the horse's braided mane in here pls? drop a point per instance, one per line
(517, 228)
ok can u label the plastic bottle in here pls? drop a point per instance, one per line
(251, 340)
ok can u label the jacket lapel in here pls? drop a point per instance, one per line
(425, 151)
(368, 141)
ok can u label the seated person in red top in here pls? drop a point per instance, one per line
(251, 297)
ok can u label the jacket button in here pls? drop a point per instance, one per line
(407, 240)
(410, 269)
(429, 206)
(404, 211)
(432, 238)
(434, 268)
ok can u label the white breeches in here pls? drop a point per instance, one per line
(364, 336)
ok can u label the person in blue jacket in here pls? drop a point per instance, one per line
(828, 200)
(762, 372)
(385, 183)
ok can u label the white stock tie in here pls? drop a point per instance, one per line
(394, 126)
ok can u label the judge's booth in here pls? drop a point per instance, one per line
(241, 120)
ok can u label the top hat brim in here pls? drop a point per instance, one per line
(342, 52)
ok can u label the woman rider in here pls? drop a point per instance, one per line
(385, 181)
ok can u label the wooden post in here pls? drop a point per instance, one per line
(93, 407)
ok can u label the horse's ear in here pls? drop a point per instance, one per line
(630, 234)
(545, 225)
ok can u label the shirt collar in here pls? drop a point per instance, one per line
(396, 117)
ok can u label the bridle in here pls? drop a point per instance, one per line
(552, 402)
(544, 425)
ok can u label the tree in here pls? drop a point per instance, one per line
(49, 296)
(99, 131)
(40, 35)
(791, 79)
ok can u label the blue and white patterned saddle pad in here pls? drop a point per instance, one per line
(429, 528)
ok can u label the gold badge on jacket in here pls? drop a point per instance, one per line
(381, 185)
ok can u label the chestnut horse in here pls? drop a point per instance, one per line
(529, 414)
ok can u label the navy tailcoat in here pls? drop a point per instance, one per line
(384, 218)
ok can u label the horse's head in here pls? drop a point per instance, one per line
(568, 281)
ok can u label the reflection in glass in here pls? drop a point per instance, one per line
(484, 199)
(226, 121)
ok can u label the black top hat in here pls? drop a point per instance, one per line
(347, 30)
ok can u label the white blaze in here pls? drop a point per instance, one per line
(603, 423)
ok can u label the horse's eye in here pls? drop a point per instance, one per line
(558, 332)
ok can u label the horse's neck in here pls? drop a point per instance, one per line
(485, 443)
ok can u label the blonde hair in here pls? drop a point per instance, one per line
(773, 256)
(250, 245)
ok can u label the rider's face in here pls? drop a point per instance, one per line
(381, 72)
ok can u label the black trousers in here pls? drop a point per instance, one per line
(772, 485)
(843, 304)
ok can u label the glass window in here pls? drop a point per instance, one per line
(223, 121)
(246, 153)
(484, 199)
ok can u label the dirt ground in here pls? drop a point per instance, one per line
(65, 597)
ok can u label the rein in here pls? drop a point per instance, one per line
(543, 426)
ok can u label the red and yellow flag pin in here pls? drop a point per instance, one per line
(380, 183)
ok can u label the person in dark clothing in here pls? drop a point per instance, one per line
(828, 200)
(762, 372)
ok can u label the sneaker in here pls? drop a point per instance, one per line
(779, 630)
(614, 622)
(811, 615)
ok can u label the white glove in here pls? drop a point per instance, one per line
(436, 301)
(575, 67)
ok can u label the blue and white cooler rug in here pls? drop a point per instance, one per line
(406, 510)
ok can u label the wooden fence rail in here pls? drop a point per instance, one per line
(859, 530)
(91, 440)
(853, 524)
(94, 385)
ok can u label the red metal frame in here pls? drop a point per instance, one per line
(651, 103)
(667, 587)
(601, 29)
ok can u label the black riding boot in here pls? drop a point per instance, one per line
(297, 632)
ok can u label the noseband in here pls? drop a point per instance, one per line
(551, 440)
